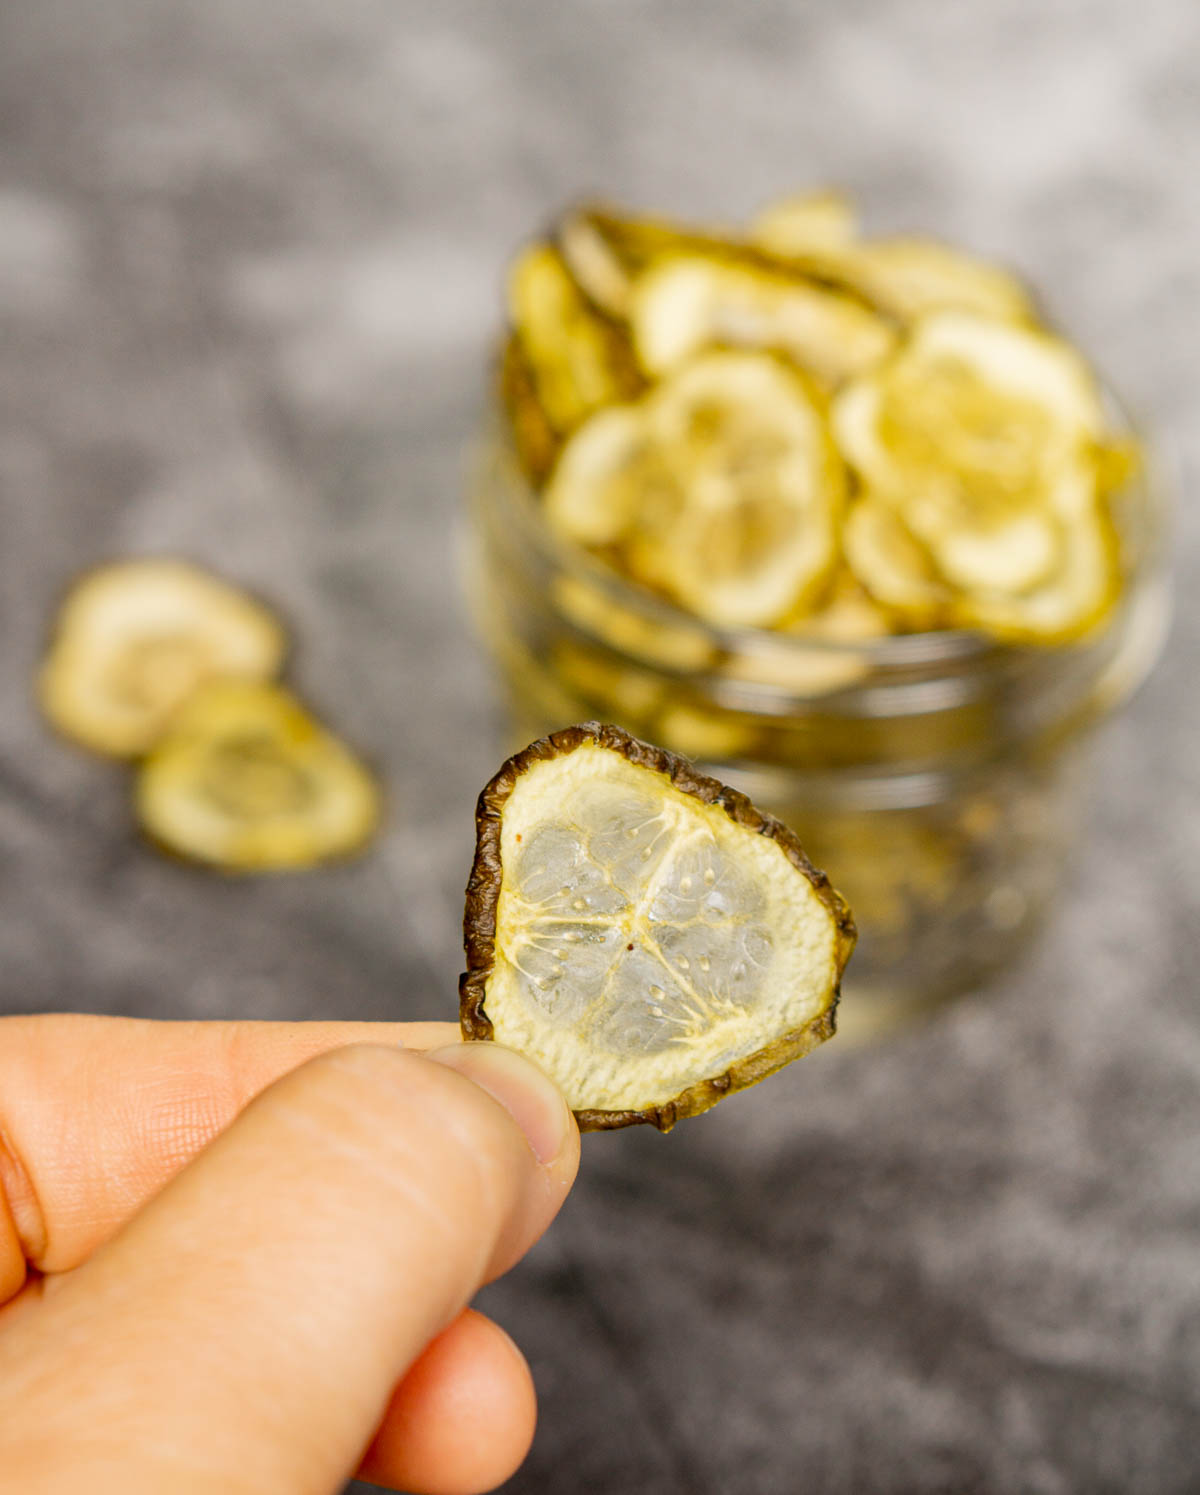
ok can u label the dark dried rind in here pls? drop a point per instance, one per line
(483, 891)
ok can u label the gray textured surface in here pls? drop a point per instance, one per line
(249, 259)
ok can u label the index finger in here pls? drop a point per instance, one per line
(98, 1113)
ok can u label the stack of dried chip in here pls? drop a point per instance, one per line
(795, 428)
(159, 661)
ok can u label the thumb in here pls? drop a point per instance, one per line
(245, 1330)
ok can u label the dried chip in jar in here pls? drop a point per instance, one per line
(607, 251)
(645, 934)
(686, 303)
(247, 781)
(805, 222)
(134, 639)
(578, 359)
(721, 487)
(892, 566)
(983, 436)
(534, 438)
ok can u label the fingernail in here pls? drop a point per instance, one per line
(528, 1094)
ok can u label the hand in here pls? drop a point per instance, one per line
(270, 1310)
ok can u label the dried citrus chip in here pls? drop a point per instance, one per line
(607, 251)
(982, 434)
(246, 780)
(809, 221)
(578, 359)
(689, 302)
(645, 934)
(534, 438)
(1065, 606)
(912, 277)
(135, 638)
(721, 484)
(893, 567)
(706, 733)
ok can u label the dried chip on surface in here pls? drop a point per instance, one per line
(246, 780)
(135, 638)
(721, 487)
(644, 933)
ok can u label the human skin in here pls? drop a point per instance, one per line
(237, 1257)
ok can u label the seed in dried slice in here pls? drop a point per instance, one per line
(686, 303)
(578, 359)
(805, 222)
(135, 638)
(642, 932)
(246, 780)
(721, 486)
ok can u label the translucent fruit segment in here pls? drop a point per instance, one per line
(247, 780)
(648, 937)
(135, 638)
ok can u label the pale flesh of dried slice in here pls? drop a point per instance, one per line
(247, 780)
(135, 638)
(645, 934)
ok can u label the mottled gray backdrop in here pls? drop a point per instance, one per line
(249, 266)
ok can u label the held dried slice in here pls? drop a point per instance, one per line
(135, 638)
(246, 780)
(644, 933)
(687, 303)
(579, 361)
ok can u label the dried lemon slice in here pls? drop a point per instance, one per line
(247, 781)
(534, 438)
(645, 934)
(810, 221)
(607, 251)
(908, 278)
(721, 485)
(983, 435)
(135, 638)
(894, 569)
(686, 303)
(579, 361)
(1069, 603)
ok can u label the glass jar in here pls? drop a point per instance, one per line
(936, 776)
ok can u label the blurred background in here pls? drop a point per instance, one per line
(251, 263)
